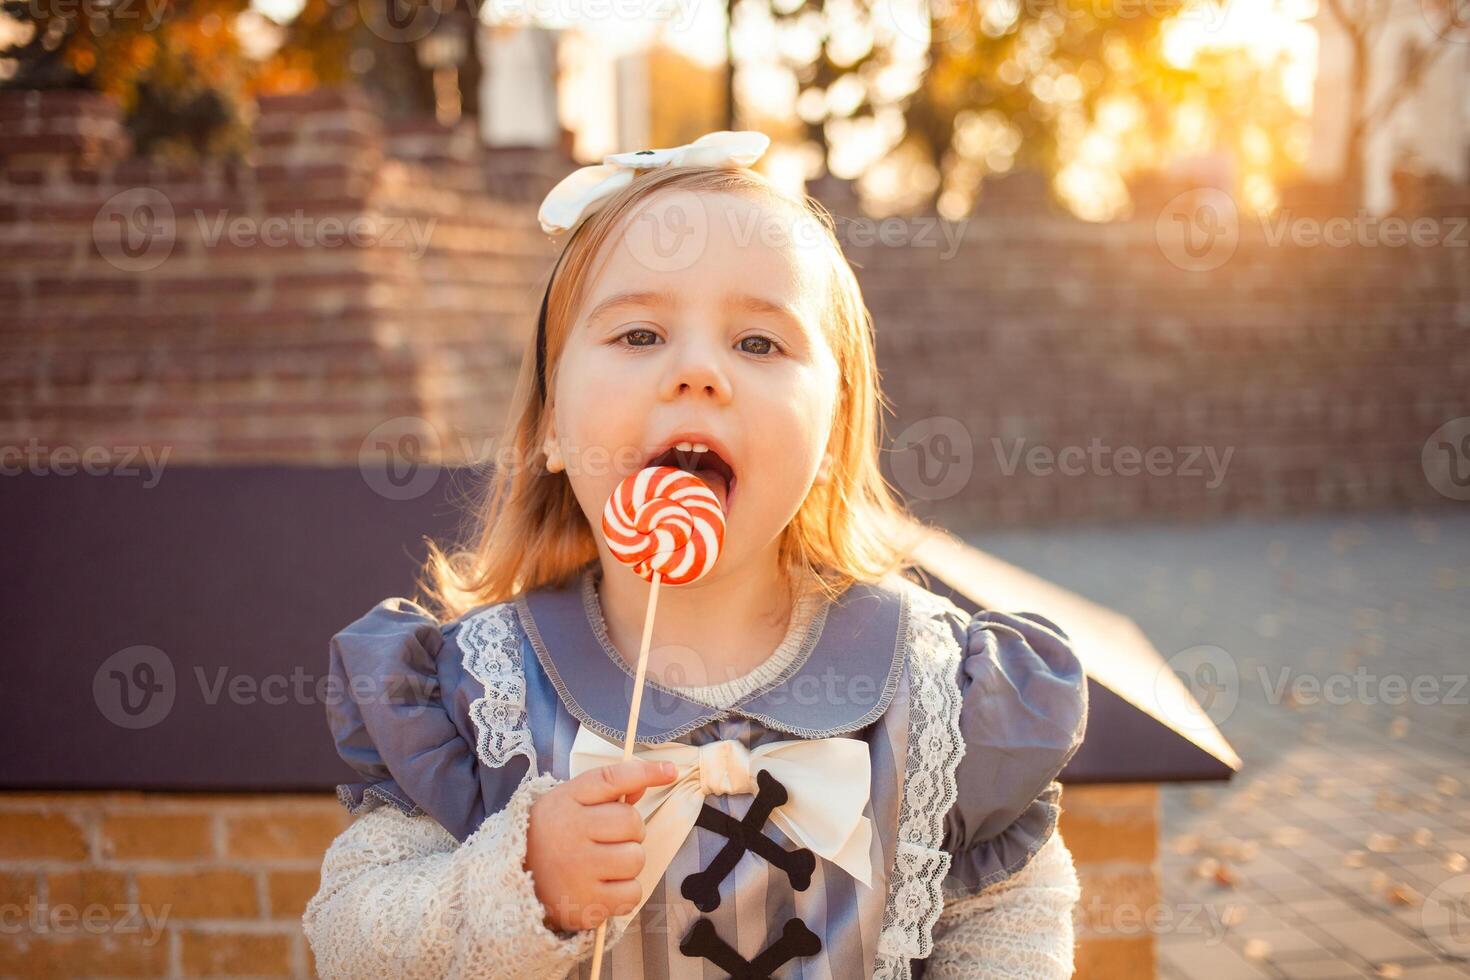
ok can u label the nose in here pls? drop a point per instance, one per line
(696, 370)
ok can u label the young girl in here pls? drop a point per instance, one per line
(839, 774)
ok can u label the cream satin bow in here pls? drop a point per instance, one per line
(584, 191)
(826, 780)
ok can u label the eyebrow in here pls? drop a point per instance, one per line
(742, 302)
(619, 300)
(745, 303)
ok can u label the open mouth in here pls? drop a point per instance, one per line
(707, 464)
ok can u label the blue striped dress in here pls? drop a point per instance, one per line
(967, 720)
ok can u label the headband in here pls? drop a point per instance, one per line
(584, 191)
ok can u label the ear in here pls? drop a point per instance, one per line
(824, 470)
(552, 448)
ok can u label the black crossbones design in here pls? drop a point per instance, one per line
(703, 887)
(796, 940)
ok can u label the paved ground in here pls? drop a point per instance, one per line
(1341, 850)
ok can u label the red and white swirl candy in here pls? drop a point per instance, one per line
(666, 520)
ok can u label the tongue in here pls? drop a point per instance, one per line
(715, 482)
(690, 462)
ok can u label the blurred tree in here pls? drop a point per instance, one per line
(833, 48)
(174, 65)
(185, 80)
(1366, 25)
(1004, 79)
(1079, 91)
(381, 45)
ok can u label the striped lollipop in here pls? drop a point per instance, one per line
(667, 526)
(667, 521)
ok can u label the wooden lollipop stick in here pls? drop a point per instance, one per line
(630, 737)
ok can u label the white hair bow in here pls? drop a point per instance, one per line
(583, 191)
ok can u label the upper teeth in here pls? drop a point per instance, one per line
(697, 447)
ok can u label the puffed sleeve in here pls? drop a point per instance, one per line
(400, 717)
(1022, 717)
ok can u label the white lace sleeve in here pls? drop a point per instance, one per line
(1019, 929)
(400, 898)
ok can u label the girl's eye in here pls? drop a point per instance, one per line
(643, 337)
(765, 345)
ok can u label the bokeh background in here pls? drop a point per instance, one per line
(1172, 303)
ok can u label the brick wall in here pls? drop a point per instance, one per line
(159, 885)
(276, 310)
(178, 885)
(1112, 832)
(1031, 363)
(1320, 370)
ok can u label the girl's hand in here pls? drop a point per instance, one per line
(584, 846)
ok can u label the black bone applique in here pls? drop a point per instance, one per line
(796, 940)
(703, 887)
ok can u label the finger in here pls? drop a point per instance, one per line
(618, 862)
(613, 823)
(620, 896)
(608, 783)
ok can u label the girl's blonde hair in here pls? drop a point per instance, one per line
(529, 531)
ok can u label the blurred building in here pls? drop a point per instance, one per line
(518, 87)
(538, 81)
(1428, 130)
(665, 98)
